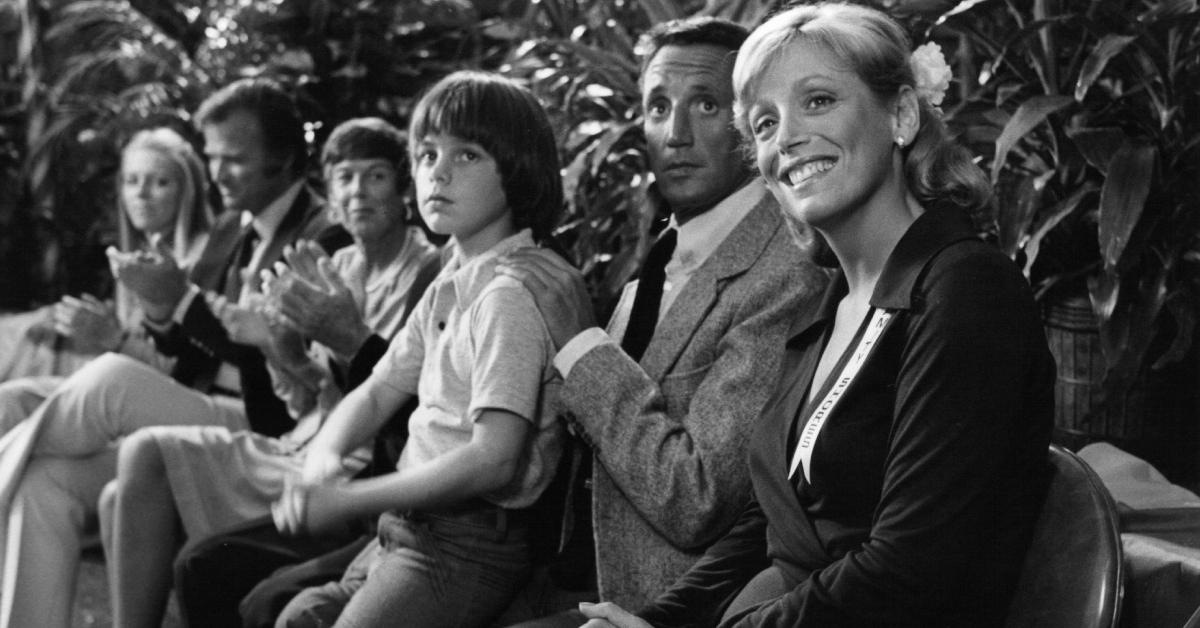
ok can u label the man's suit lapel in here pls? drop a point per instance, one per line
(218, 254)
(733, 257)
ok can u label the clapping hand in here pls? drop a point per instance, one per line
(90, 323)
(557, 289)
(153, 276)
(309, 295)
(253, 323)
(246, 324)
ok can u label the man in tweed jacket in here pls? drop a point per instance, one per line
(669, 431)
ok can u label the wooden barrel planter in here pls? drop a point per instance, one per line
(1156, 419)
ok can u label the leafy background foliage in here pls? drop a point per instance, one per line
(1083, 112)
(93, 71)
(1087, 116)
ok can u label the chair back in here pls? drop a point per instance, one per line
(1194, 621)
(1073, 574)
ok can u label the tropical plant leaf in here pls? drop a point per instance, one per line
(961, 7)
(1022, 61)
(616, 70)
(602, 150)
(747, 12)
(171, 21)
(1029, 116)
(663, 10)
(1122, 199)
(1011, 226)
(1185, 329)
(1103, 290)
(1098, 145)
(1167, 9)
(1053, 217)
(1128, 329)
(1108, 47)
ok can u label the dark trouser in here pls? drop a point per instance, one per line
(263, 604)
(566, 619)
(213, 576)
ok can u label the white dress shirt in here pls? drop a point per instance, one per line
(698, 239)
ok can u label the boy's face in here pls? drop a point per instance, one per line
(366, 195)
(460, 192)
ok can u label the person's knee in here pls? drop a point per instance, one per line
(140, 464)
(100, 378)
(103, 370)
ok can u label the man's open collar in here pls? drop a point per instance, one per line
(267, 222)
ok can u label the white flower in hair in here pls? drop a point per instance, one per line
(931, 72)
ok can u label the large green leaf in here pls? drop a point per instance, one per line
(1123, 197)
(1098, 145)
(1108, 47)
(1130, 324)
(1022, 54)
(961, 7)
(1053, 217)
(1185, 329)
(1029, 115)
(1012, 223)
(617, 71)
(1166, 9)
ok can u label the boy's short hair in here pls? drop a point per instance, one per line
(368, 138)
(507, 121)
(276, 112)
(692, 31)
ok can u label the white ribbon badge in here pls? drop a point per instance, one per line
(812, 429)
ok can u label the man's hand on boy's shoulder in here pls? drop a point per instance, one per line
(558, 290)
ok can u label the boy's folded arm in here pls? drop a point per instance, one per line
(487, 463)
(357, 418)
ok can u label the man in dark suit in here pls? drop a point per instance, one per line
(256, 149)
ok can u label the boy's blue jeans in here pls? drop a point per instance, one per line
(452, 569)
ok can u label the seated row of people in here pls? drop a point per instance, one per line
(60, 452)
(769, 446)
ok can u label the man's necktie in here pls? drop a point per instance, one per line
(245, 252)
(644, 315)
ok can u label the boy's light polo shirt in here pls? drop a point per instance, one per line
(476, 341)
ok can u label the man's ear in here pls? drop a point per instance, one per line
(906, 115)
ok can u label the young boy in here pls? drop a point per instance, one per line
(454, 538)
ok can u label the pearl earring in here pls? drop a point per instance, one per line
(900, 142)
